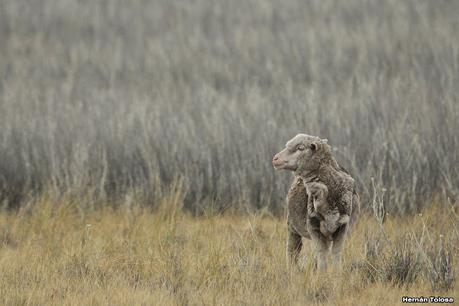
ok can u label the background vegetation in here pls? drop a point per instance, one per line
(118, 99)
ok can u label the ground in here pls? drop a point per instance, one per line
(55, 253)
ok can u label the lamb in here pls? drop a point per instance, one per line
(310, 159)
(319, 207)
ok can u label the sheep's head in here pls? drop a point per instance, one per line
(302, 154)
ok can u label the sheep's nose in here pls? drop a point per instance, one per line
(275, 158)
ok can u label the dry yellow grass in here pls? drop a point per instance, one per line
(55, 253)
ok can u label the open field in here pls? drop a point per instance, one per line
(53, 253)
(136, 140)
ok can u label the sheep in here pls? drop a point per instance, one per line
(310, 159)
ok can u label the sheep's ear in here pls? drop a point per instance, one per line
(325, 140)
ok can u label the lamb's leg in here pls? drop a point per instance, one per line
(329, 225)
(338, 242)
(294, 245)
(344, 219)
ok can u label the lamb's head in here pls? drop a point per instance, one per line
(318, 193)
(302, 154)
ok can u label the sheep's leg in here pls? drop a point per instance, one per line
(338, 242)
(294, 245)
(321, 243)
(322, 248)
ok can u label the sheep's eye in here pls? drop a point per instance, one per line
(300, 147)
